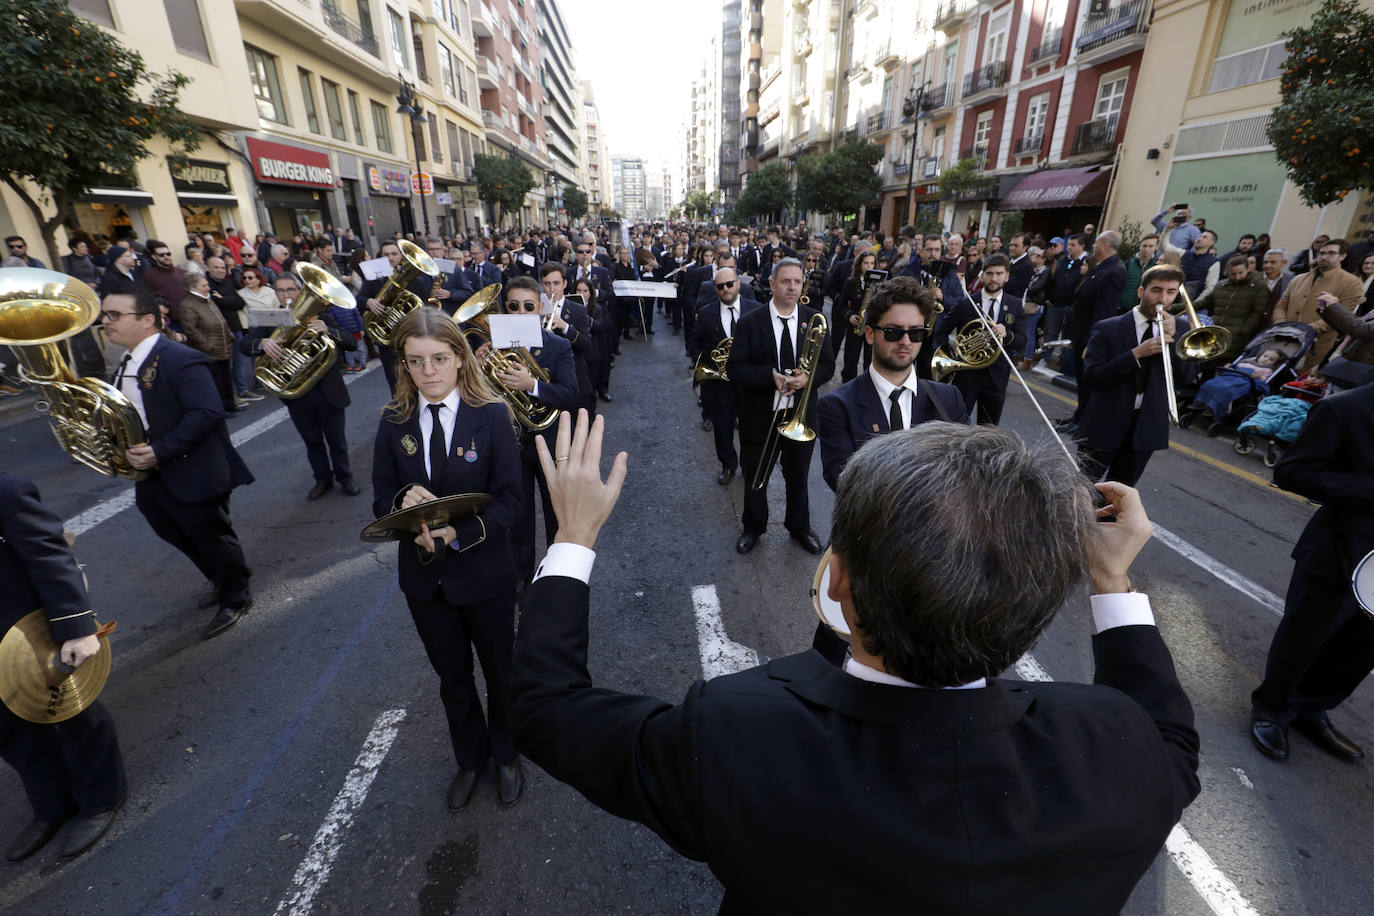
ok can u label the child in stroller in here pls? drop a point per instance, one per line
(1263, 367)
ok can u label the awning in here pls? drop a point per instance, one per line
(213, 200)
(1050, 188)
(129, 197)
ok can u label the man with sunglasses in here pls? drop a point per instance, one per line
(716, 324)
(18, 248)
(163, 280)
(986, 389)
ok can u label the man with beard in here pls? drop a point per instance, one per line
(986, 388)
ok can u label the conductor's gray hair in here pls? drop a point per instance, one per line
(961, 544)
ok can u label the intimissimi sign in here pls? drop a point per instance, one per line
(281, 163)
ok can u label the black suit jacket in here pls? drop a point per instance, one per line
(601, 281)
(560, 391)
(38, 568)
(186, 426)
(709, 330)
(482, 275)
(808, 790)
(690, 283)
(754, 357)
(1019, 277)
(331, 385)
(748, 260)
(1332, 462)
(837, 277)
(1010, 314)
(1109, 370)
(852, 414)
(483, 564)
(584, 347)
(1098, 297)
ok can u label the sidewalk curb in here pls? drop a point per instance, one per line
(1058, 379)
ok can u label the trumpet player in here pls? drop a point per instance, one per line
(986, 389)
(715, 325)
(318, 415)
(763, 357)
(569, 320)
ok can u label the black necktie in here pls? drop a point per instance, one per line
(731, 328)
(1142, 375)
(894, 411)
(992, 310)
(787, 356)
(438, 447)
(119, 373)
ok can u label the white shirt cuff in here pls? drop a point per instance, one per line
(1125, 609)
(571, 560)
(534, 393)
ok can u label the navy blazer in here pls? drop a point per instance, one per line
(459, 288)
(1019, 277)
(482, 275)
(560, 391)
(754, 357)
(37, 566)
(186, 425)
(1098, 297)
(1109, 370)
(601, 282)
(709, 330)
(852, 414)
(484, 459)
(1010, 314)
(331, 385)
(690, 283)
(578, 334)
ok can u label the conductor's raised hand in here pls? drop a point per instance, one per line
(581, 501)
(1123, 531)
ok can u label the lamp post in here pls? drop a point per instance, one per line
(407, 104)
(914, 108)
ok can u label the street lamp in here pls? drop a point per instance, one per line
(915, 108)
(407, 104)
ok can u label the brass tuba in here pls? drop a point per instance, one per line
(395, 296)
(308, 353)
(93, 421)
(474, 312)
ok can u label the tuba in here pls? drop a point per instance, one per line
(308, 353)
(475, 312)
(395, 296)
(92, 420)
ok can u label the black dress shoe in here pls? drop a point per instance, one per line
(31, 839)
(226, 618)
(726, 475)
(320, 488)
(706, 424)
(746, 542)
(460, 790)
(81, 833)
(1270, 737)
(350, 487)
(606, 397)
(808, 540)
(1317, 728)
(510, 782)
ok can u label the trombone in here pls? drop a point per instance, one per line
(791, 423)
(1201, 342)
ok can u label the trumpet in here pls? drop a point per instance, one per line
(791, 424)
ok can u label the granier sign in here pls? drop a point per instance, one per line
(280, 163)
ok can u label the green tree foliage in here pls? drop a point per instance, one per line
(842, 180)
(610, 214)
(575, 202)
(1323, 127)
(502, 183)
(79, 109)
(1132, 231)
(768, 193)
(964, 177)
(698, 204)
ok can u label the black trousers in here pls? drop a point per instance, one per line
(987, 395)
(224, 382)
(689, 317)
(1322, 650)
(854, 347)
(795, 459)
(203, 532)
(522, 535)
(1122, 464)
(321, 427)
(601, 380)
(70, 768)
(719, 405)
(388, 357)
(450, 633)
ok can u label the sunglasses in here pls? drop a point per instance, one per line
(584, 251)
(523, 306)
(726, 285)
(17, 245)
(892, 335)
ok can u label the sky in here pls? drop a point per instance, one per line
(640, 58)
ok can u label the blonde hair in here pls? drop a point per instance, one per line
(434, 324)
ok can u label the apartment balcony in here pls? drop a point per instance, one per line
(876, 122)
(802, 42)
(348, 28)
(491, 120)
(1096, 136)
(988, 81)
(939, 97)
(1051, 43)
(886, 56)
(1029, 145)
(952, 12)
(484, 23)
(979, 152)
(490, 73)
(1122, 30)
(865, 9)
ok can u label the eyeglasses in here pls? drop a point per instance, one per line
(162, 254)
(439, 361)
(112, 315)
(522, 306)
(584, 251)
(726, 285)
(892, 335)
(1329, 253)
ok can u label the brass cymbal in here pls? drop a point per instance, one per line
(436, 513)
(36, 685)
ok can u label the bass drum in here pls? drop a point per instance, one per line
(827, 608)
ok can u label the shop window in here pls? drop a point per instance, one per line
(355, 113)
(188, 32)
(334, 109)
(262, 72)
(381, 125)
(312, 115)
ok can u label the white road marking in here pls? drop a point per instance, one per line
(719, 654)
(1220, 570)
(314, 868)
(104, 511)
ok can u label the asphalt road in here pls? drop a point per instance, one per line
(308, 742)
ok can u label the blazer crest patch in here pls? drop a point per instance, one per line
(409, 445)
(147, 374)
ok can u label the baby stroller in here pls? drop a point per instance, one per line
(1234, 393)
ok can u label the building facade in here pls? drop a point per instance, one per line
(732, 63)
(594, 154)
(562, 109)
(628, 178)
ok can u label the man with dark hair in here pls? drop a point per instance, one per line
(1020, 269)
(768, 343)
(1198, 260)
(715, 325)
(18, 248)
(570, 321)
(1145, 257)
(995, 797)
(453, 289)
(985, 389)
(1127, 419)
(163, 280)
(1068, 274)
(1302, 300)
(366, 298)
(1244, 246)
(1238, 304)
(193, 466)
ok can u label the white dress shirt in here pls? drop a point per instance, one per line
(783, 401)
(1141, 323)
(885, 389)
(448, 416)
(127, 381)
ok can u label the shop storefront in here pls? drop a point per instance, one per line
(971, 211)
(114, 213)
(390, 201)
(1236, 194)
(205, 195)
(296, 185)
(1056, 201)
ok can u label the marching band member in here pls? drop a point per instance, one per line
(767, 343)
(715, 324)
(454, 288)
(445, 433)
(570, 321)
(846, 310)
(986, 389)
(367, 298)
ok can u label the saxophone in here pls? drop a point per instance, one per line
(92, 420)
(308, 353)
(395, 296)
